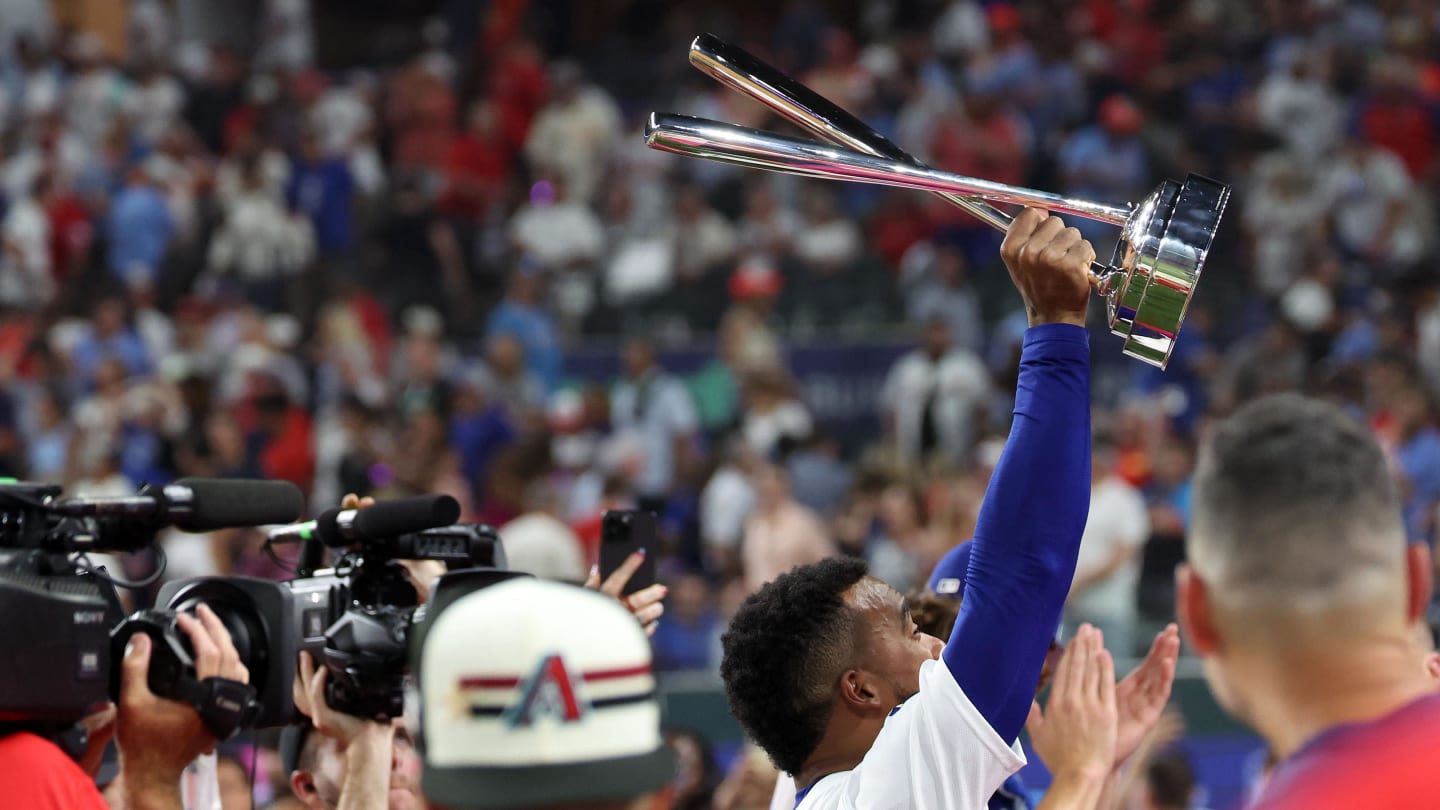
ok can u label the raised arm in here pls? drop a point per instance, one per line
(1029, 528)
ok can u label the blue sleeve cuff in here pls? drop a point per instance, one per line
(1056, 340)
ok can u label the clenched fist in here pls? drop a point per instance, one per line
(1050, 265)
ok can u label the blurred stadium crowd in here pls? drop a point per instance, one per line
(368, 280)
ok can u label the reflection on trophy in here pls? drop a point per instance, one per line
(1148, 283)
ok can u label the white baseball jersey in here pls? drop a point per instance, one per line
(936, 752)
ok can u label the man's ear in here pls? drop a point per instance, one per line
(859, 692)
(1420, 577)
(303, 785)
(1192, 606)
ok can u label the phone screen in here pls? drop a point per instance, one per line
(622, 533)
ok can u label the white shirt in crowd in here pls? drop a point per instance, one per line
(542, 545)
(155, 105)
(576, 139)
(1118, 519)
(94, 99)
(701, 244)
(1360, 192)
(1301, 111)
(559, 234)
(764, 430)
(230, 181)
(782, 227)
(1284, 215)
(955, 386)
(25, 278)
(936, 752)
(259, 240)
(659, 410)
(725, 504)
(341, 117)
(832, 243)
(67, 160)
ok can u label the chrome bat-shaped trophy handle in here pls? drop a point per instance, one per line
(1148, 284)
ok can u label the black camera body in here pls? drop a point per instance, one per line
(59, 609)
(354, 619)
(57, 629)
(265, 620)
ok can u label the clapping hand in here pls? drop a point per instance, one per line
(1075, 734)
(1141, 698)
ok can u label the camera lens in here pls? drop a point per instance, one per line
(241, 619)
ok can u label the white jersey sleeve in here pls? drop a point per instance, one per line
(936, 752)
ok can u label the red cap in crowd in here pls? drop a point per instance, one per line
(1120, 116)
(755, 279)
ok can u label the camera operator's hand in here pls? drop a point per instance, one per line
(158, 738)
(367, 745)
(99, 730)
(309, 694)
(646, 604)
(353, 501)
(422, 573)
(1050, 265)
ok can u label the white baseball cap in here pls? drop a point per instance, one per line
(537, 693)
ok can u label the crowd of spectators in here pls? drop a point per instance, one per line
(367, 280)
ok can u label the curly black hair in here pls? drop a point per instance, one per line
(785, 648)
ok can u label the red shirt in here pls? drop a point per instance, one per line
(1404, 128)
(16, 335)
(36, 774)
(992, 149)
(476, 171)
(288, 456)
(70, 234)
(897, 227)
(519, 87)
(422, 119)
(1390, 762)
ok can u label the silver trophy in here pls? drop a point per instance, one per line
(1148, 283)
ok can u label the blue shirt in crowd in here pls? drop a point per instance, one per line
(139, 230)
(324, 192)
(126, 346)
(478, 438)
(685, 646)
(1420, 460)
(536, 333)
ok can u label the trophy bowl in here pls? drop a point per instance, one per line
(1161, 251)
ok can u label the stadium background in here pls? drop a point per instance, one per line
(392, 247)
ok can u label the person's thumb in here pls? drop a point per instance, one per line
(135, 669)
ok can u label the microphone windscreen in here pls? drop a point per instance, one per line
(327, 528)
(404, 515)
(221, 503)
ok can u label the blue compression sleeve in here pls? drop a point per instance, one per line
(1028, 532)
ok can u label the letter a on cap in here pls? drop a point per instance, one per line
(549, 692)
